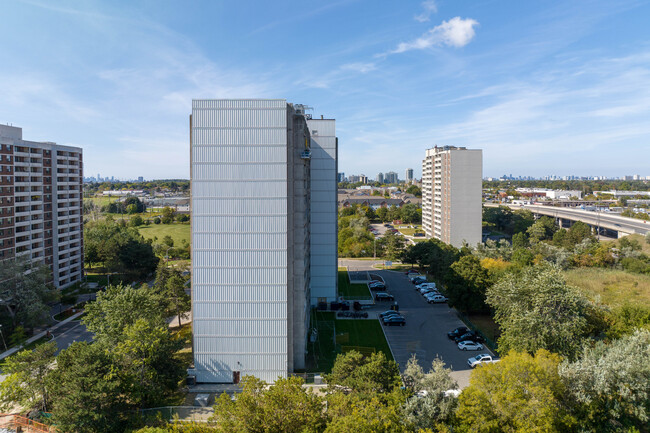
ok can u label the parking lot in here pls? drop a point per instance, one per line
(425, 333)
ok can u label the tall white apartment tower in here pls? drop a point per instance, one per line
(252, 162)
(451, 194)
(41, 204)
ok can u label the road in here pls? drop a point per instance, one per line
(72, 331)
(425, 333)
(602, 219)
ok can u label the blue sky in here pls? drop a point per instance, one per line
(543, 87)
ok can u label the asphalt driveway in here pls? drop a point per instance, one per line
(425, 333)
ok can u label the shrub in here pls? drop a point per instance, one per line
(156, 220)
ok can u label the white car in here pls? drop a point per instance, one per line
(483, 358)
(434, 299)
(426, 285)
(470, 345)
(426, 290)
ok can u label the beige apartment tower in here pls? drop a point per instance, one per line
(451, 194)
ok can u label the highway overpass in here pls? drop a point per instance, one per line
(608, 224)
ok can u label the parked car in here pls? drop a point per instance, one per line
(436, 299)
(383, 296)
(461, 330)
(388, 313)
(427, 284)
(377, 283)
(419, 280)
(418, 234)
(394, 321)
(377, 286)
(468, 336)
(411, 271)
(481, 359)
(414, 276)
(425, 290)
(470, 345)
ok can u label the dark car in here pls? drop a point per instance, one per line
(383, 296)
(411, 271)
(394, 321)
(419, 234)
(388, 313)
(461, 330)
(472, 336)
(417, 281)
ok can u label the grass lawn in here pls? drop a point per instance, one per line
(101, 200)
(177, 231)
(339, 336)
(613, 287)
(351, 291)
(409, 231)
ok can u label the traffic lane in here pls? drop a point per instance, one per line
(69, 333)
(425, 333)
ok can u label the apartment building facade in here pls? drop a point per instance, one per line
(41, 204)
(256, 221)
(451, 194)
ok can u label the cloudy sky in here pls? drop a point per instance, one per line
(543, 87)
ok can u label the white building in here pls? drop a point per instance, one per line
(41, 204)
(324, 216)
(408, 178)
(252, 218)
(451, 194)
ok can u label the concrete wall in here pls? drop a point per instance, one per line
(466, 186)
(324, 228)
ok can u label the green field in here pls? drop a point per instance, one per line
(178, 232)
(338, 336)
(351, 291)
(101, 200)
(611, 286)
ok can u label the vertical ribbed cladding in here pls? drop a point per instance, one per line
(324, 246)
(239, 238)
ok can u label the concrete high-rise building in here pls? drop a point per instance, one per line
(341, 177)
(391, 177)
(41, 204)
(324, 204)
(380, 177)
(262, 184)
(409, 175)
(451, 194)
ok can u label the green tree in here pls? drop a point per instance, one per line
(284, 406)
(536, 309)
(120, 307)
(519, 240)
(543, 229)
(168, 241)
(131, 209)
(366, 375)
(610, 384)
(145, 361)
(25, 292)
(394, 213)
(415, 190)
(167, 215)
(409, 214)
(392, 245)
(435, 407)
(466, 284)
(379, 414)
(522, 219)
(136, 221)
(25, 383)
(178, 302)
(382, 214)
(521, 393)
(86, 393)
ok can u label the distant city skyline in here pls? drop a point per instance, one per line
(539, 86)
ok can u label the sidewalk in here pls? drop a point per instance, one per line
(39, 335)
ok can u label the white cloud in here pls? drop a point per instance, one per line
(457, 32)
(429, 7)
(359, 67)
